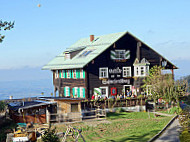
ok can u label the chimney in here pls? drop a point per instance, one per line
(138, 50)
(91, 38)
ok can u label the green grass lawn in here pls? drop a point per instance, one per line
(121, 127)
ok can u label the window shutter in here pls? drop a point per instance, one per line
(59, 73)
(78, 94)
(64, 91)
(83, 74)
(69, 92)
(74, 92)
(79, 73)
(83, 93)
(64, 76)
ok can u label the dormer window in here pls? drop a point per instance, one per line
(141, 68)
(67, 55)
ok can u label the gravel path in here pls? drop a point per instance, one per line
(171, 134)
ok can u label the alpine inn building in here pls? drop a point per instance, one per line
(105, 65)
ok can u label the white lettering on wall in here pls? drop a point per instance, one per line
(115, 81)
(115, 71)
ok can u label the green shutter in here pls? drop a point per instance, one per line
(63, 72)
(59, 73)
(83, 74)
(74, 92)
(79, 73)
(78, 94)
(69, 91)
(73, 73)
(64, 91)
(83, 93)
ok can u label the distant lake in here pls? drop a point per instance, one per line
(24, 89)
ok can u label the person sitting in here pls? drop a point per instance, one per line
(93, 97)
(121, 97)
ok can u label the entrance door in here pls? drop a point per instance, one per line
(127, 88)
(104, 92)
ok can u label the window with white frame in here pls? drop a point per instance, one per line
(67, 55)
(75, 92)
(141, 70)
(82, 92)
(82, 75)
(68, 74)
(120, 54)
(67, 91)
(74, 74)
(136, 71)
(126, 71)
(56, 74)
(103, 72)
(147, 70)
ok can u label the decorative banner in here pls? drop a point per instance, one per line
(97, 91)
(114, 56)
(127, 54)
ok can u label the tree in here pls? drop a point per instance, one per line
(5, 26)
(163, 85)
(2, 106)
(50, 135)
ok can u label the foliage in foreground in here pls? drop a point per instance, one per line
(185, 136)
(6, 126)
(50, 135)
(163, 85)
(184, 119)
(2, 106)
(4, 25)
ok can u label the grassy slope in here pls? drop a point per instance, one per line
(134, 126)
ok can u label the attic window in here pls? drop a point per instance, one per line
(67, 55)
(85, 53)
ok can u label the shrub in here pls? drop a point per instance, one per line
(175, 110)
(140, 96)
(50, 135)
(185, 136)
(118, 110)
(2, 106)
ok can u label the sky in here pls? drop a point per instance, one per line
(41, 33)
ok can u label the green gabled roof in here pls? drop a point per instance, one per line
(99, 45)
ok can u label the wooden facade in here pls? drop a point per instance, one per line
(140, 58)
(29, 115)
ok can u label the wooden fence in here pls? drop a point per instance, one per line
(112, 103)
(77, 116)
